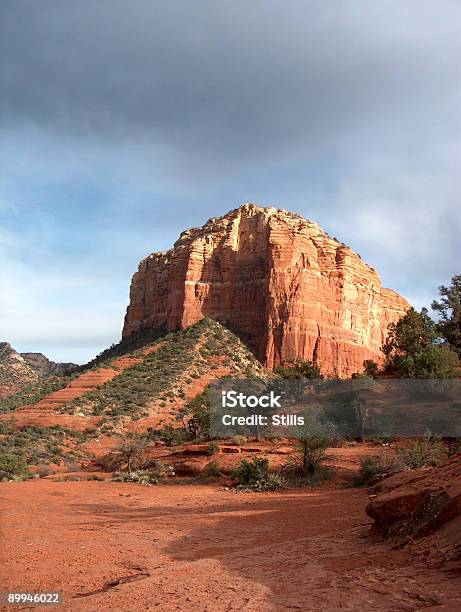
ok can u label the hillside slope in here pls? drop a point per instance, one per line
(155, 389)
(150, 385)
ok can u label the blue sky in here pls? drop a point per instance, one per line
(121, 124)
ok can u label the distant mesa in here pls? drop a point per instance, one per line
(278, 280)
(19, 370)
(45, 367)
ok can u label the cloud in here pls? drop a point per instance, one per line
(123, 123)
(234, 82)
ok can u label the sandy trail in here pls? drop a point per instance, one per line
(127, 547)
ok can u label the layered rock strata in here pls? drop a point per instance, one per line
(277, 279)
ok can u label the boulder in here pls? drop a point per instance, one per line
(420, 503)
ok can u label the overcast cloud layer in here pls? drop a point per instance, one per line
(122, 123)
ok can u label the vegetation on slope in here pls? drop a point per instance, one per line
(160, 380)
(35, 446)
(33, 393)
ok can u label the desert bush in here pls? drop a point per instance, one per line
(213, 447)
(143, 477)
(428, 451)
(6, 427)
(198, 410)
(171, 436)
(370, 367)
(377, 466)
(132, 452)
(160, 470)
(35, 392)
(310, 452)
(299, 369)
(40, 445)
(154, 475)
(254, 475)
(12, 466)
(249, 472)
(272, 482)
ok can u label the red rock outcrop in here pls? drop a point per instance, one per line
(420, 503)
(276, 278)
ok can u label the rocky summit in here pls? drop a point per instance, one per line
(45, 367)
(277, 279)
(15, 373)
(21, 370)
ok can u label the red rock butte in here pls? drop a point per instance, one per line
(276, 278)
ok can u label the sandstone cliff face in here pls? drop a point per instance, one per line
(276, 278)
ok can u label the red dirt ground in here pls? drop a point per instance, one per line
(126, 547)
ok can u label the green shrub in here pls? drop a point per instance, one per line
(454, 447)
(198, 410)
(377, 466)
(73, 467)
(370, 367)
(299, 369)
(213, 447)
(171, 436)
(428, 451)
(254, 475)
(250, 472)
(272, 482)
(12, 466)
(42, 445)
(138, 476)
(35, 392)
(310, 452)
(43, 471)
(159, 470)
(154, 475)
